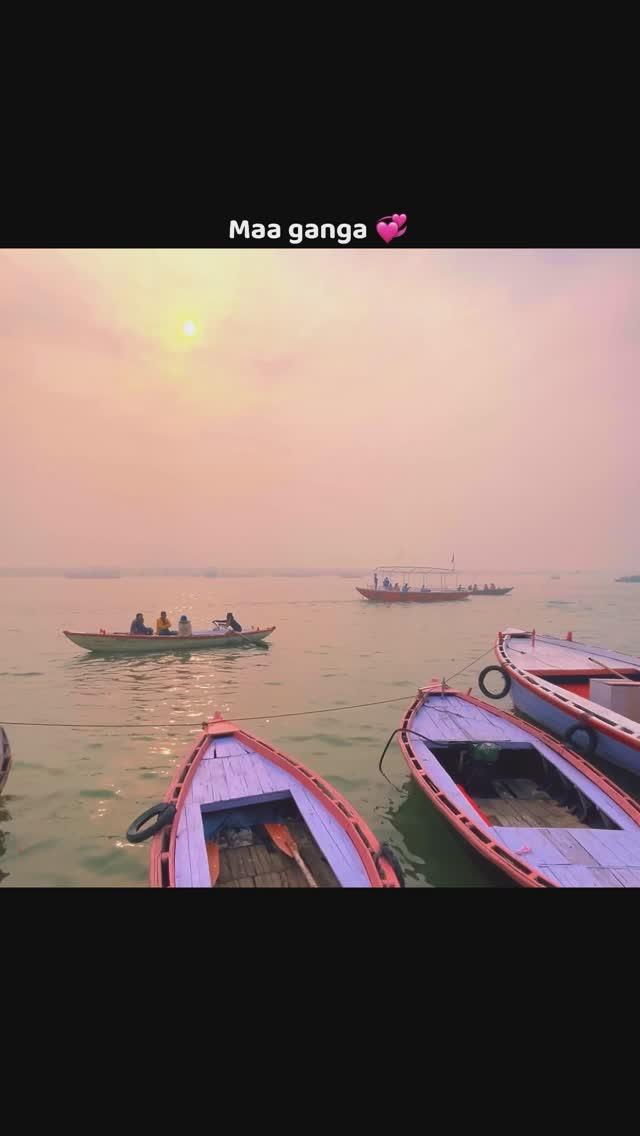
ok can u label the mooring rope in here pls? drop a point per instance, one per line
(253, 718)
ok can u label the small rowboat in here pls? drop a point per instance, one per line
(240, 813)
(142, 644)
(588, 696)
(535, 810)
(491, 592)
(5, 758)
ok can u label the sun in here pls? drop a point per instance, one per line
(189, 328)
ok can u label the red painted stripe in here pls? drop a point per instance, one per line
(474, 806)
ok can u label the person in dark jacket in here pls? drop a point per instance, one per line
(138, 627)
(232, 622)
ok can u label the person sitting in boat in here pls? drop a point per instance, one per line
(396, 587)
(492, 587)
(406, 588)
(184, 626)
(386, 583)
(375, 581)
(138, 627)
(486, 588)
(232, 622)
(163, 625)
(475, 587)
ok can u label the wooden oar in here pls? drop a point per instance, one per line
(604, 666)
(213, 858)
(283, 840)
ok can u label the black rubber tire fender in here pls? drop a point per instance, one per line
(389, 855)
(583, 728)
(164, 812)
(488, 693)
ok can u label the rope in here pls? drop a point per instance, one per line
(253, 718)
(171, 725)
(480, 657)
(400, 730)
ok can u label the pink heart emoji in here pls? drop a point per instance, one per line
(400, 219)
(387, 231)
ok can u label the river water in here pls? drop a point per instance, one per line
(73, 791)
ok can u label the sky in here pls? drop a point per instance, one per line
(341, 408)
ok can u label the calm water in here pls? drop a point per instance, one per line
(72, 792)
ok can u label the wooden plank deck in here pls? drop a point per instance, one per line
(611, 849)
(553, 850)
(568, 694)
(529, 818)
(260, 865)
(466, 722)
(549, 653)
(236, 772)
(629, 877)
(577, 875)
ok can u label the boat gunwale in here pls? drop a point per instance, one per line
(563, 701)
(119, 635)
(506, 860)
(380, 872)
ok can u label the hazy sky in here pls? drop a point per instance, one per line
(338, 407)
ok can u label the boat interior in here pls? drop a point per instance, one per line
(519, 788)
(251, 844)
(579, 683)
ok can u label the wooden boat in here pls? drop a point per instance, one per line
(240, 813)
(5, 758)
(423, 594)
(142, 644)
(588, 696)
(94, 574)
(531, 807)
(387, 596)
(492, 592)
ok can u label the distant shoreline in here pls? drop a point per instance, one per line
(291, 574)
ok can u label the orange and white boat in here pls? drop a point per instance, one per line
(419, 585)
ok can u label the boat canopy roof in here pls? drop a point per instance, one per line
(408, 570)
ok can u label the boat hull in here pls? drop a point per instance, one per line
(555, 708)
(558, 721)
(5, 758)
(533, 852)
(382, 595)
(495, 592)
(148, 644)
(228, 768)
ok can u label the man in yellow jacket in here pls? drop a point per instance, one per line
(163, 625)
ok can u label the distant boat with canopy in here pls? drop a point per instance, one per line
(410, 584)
